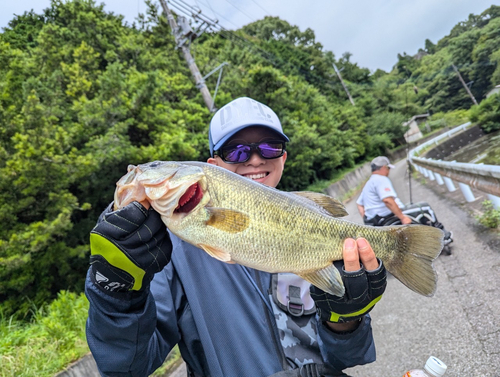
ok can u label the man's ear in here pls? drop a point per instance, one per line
(213, 161)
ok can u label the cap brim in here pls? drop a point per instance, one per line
(391, 166)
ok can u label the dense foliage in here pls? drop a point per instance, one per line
(82, 95)
(487, 113)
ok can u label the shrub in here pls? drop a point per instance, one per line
(487, 114)
(491, 216)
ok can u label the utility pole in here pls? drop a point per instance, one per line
(181, 43)
(342, 82)
(464, 84)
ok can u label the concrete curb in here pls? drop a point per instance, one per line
(84, 367)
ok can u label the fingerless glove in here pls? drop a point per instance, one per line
(363, 289)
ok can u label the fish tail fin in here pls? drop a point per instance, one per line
(417, 246)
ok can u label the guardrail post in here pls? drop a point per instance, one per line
(469, 196)
(495, 200)
(431, 175)
(439, 179)
(426, 175)
(449, 184)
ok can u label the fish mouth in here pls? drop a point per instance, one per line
(190, 199)
(172, 188)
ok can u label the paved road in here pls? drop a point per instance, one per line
(461, 324)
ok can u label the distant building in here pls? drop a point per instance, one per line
(414, 132)
(495, 90)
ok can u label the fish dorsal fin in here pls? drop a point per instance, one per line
(327, 279)
(331, 205)
(216, 253)
(228, 220)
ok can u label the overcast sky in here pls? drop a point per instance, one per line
(373, 31)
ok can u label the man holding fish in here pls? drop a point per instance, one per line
(149, 289)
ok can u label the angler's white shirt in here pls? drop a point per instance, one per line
(376, 189)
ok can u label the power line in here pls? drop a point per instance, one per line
(231, 22)
(267, 13)
(250, 17)
(191, 11)
(210, 6)
(272, 58)
(277, 61)
(181, 9)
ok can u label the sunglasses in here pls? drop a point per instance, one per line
(238, 153)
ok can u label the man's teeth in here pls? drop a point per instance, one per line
(256, 176)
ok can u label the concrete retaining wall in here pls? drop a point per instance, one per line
(85, 367)
(350, 183)
(460, 140)
(353, 181)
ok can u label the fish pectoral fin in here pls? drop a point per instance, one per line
(331, 205)
(221, 255)
(327, 279)
(228, 220)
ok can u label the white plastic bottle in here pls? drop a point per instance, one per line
(433, 368)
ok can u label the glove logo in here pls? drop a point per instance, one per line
(112, 286)
(100, 278)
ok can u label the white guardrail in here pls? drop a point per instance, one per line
(485, 178)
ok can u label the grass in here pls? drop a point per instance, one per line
(490, 217)
(171, 362)
(53, 339)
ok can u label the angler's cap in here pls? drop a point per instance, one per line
(382, 161)
(238, 114)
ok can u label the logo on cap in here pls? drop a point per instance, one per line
(245, 108)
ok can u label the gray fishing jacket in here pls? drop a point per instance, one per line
(223, 318)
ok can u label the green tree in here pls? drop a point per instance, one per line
(87, 97)
(430, 47)
(487, 113)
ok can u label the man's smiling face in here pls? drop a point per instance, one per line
(267, 172)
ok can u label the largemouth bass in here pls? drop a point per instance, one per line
(237, 220)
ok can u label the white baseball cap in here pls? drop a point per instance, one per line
(239, 114)
(382, 161)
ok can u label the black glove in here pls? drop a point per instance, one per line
(128, 247)
(363, 289)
